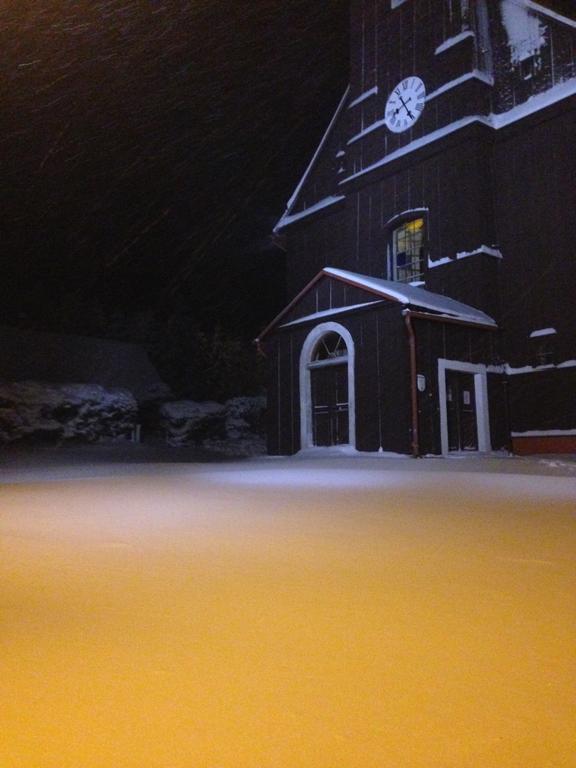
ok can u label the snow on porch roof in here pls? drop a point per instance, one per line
(412, 296)
(408, 295)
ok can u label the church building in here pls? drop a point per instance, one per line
(431, 242)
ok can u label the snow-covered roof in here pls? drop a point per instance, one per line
(410, 296)
(413, 296)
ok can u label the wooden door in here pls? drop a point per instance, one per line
(461, 409)
(330, 405)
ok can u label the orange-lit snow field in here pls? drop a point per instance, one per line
(288, 614)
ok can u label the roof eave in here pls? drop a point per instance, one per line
(444, 318)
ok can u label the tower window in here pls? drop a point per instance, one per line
(407, 251)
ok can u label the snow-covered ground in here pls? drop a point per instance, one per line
(338, 466)
(312, 612)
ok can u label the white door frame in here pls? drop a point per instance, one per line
(306, 431)
(481, 396)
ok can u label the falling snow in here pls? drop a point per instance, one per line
(144, 138)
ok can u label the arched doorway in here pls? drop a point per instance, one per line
(327, 387)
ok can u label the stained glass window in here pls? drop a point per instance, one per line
(408, 251)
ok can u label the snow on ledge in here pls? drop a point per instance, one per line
(430, 138)
(452, 41)
(476, 74)
(319, 206)
(406, 212)
(329, 312)
(544, 432)
(439, 262)
(365, 131)
(486, 249)
(535, 103)
(483, 249)
(542, 332)
(537, 368)
(363, 96)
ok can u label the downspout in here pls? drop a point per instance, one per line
(413, 384)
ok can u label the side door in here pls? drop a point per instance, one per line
(461, 410)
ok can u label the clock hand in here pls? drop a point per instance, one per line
(405, 107)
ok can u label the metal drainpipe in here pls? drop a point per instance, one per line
(413, 384)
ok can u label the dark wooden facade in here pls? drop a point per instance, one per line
(490, 167)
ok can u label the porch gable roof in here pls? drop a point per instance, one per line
(410, 296)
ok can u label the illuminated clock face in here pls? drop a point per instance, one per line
(405, 104)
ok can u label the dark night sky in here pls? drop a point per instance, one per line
(146, 146)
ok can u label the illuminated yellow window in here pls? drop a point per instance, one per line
(408, 251)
